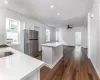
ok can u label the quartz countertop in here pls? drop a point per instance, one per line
(18, 65)
(54, 44)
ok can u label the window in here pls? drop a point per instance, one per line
(57, 35)
(12, 31)
(47, 35)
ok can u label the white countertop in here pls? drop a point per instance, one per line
(18, 65)
(54, 44)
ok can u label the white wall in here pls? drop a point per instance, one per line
(67, 36)
(29, 24)
(94, 36)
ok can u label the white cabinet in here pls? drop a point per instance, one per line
(33, 76)
(52, 53)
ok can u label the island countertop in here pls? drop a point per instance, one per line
(53, 44)
(18, 65)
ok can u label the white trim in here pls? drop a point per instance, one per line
(89, 52)
(99, 39)
(95, 68)
(52, 66)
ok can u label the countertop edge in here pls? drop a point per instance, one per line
(30, 73)
(54, 44)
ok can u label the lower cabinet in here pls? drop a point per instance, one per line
(33, 76)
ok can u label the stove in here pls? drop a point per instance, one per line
(3, 46)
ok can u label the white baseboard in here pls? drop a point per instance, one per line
(95, 68)
(52, 66)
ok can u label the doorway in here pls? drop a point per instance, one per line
(78, 38)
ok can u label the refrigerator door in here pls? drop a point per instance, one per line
(35, 34)
(33, 48)
(32, 34)
(26, 43)
(31, 42)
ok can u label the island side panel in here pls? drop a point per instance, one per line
(57, 54)
(47, 55)
(33, 76)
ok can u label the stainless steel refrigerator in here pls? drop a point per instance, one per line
(31, 42)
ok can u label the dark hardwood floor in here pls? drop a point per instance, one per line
(75, 65)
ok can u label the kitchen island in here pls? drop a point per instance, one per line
(52, 53)
(19, 66)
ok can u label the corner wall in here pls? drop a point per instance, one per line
(94, 36)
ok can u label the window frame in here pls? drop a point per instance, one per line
(48, 35)
(57, 35)
(8, 27)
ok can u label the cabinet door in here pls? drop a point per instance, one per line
(33, 76)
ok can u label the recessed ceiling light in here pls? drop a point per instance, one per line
(6, 2)
(52, 6)
(58, 14)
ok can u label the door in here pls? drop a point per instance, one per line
(78, 38)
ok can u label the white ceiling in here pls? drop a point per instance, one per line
(71, 11)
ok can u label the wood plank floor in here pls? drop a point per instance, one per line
(75, 65)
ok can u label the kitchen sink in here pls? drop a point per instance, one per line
(5, 54)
